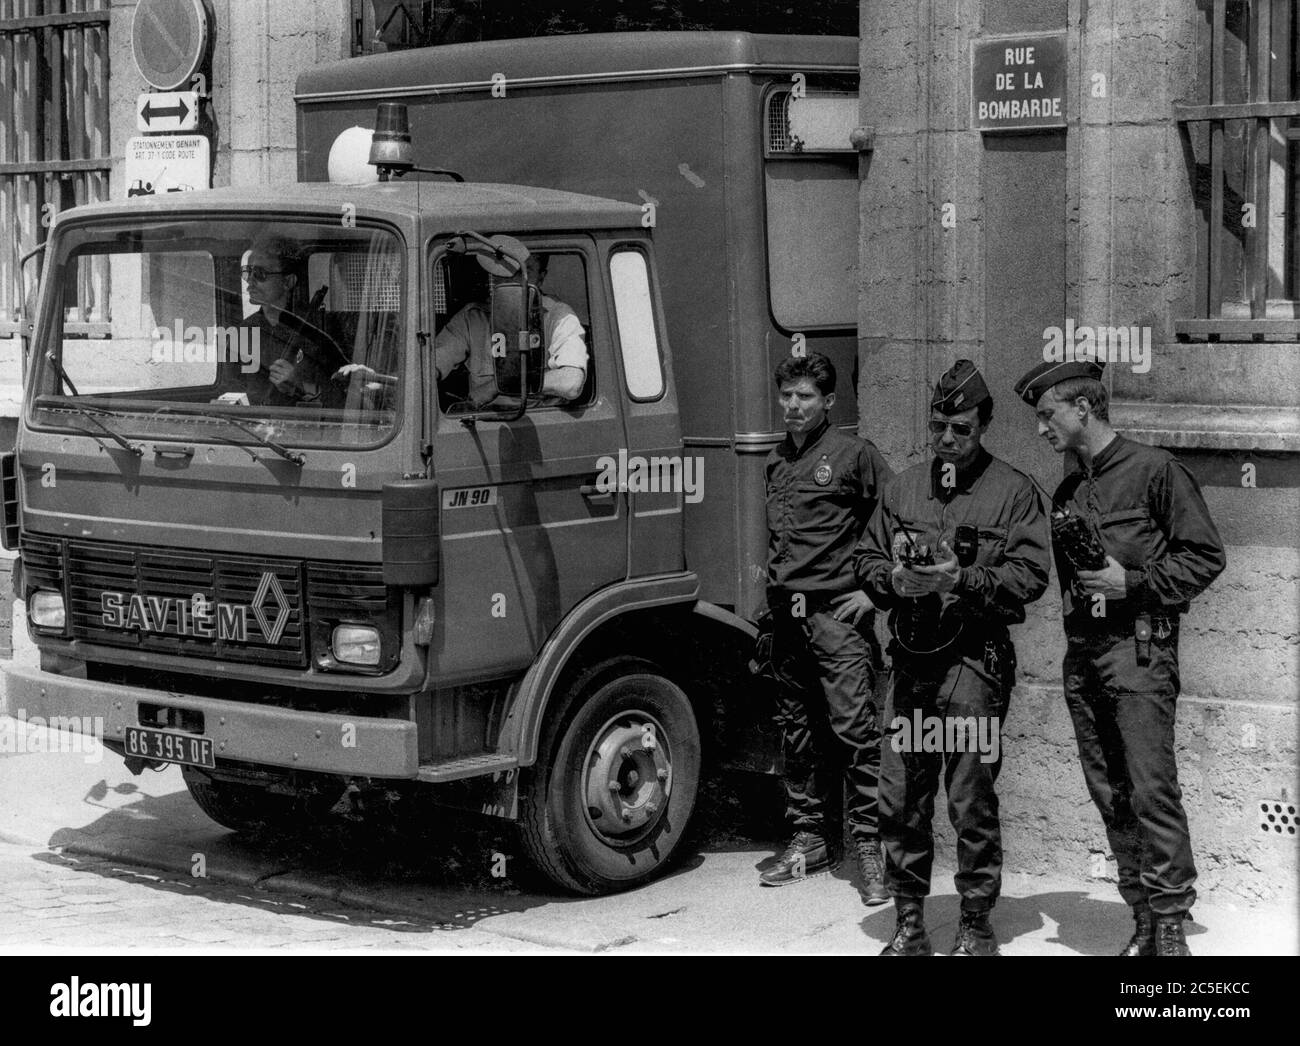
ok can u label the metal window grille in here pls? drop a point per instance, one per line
(394, 25)
(781, 139)
(778, 122)
(1250, 253)
(54, 147)
(371, 283)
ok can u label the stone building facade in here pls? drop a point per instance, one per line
(974, 244)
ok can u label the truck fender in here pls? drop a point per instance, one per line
(522, 727)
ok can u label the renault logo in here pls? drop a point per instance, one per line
(270, 586)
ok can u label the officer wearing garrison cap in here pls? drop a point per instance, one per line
(983, 526)
(1146, 520)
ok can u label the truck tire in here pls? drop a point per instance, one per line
(254, 809)
(608, 804)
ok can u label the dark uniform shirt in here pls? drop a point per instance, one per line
(1151, 517)
(819, 498)
(313, 363)
(1011, 564)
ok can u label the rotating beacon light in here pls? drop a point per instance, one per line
(391, 152)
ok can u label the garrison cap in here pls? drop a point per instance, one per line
(1032, 385)
(961, 388)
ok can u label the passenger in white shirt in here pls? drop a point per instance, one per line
(466, 338)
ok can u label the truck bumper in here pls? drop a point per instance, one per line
(324, 742)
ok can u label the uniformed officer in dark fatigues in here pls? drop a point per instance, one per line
(822, 486)
(1121, 625)
(953, 660)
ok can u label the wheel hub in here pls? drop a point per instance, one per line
(628, 775)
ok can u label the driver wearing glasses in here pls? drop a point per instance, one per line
(301, 358)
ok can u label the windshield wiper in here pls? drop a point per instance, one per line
(85, 412)
(284, 452)
(123, 443)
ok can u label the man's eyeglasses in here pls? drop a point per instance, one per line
(258, 273)
(959, 428)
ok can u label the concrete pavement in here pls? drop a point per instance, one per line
(85, 807)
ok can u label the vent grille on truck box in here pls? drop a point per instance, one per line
(165, 577)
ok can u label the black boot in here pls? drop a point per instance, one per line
(910, 937)
(1169, 935)
(805, 855)
(975, 934)
(1143, 941)
(871, 873)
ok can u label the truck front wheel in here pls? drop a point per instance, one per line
(607, 806)
(254, 809)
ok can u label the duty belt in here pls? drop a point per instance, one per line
(1144, 626)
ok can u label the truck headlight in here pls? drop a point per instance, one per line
(355, 644)
(45, 609)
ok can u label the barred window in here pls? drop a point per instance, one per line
(1244, 132)
(54, 148)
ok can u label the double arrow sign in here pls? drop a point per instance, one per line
(167, 111)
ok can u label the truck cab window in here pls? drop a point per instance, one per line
(292, 325)
(462, 301)
(636, 327)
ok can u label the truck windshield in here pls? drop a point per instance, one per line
(170, 327)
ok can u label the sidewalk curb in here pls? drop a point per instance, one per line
(165, 862)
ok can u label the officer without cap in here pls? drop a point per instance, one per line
(822, 486)
(982, 525)
(1146, 516)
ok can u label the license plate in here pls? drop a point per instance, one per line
(168, 747)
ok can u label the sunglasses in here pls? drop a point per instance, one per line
(258, 273)
(959, 428)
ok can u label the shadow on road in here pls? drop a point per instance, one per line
(406, 867)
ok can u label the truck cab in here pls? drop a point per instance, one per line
(368, 574)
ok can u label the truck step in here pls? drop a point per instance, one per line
(466, 766)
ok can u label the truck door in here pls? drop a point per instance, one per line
(527, 529)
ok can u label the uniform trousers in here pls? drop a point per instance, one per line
(826, 673)
(944, 717)
(1123, 713)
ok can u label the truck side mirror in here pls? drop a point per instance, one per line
(517, 340)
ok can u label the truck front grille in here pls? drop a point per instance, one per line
(175, 601)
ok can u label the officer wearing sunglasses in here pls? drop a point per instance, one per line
(293, 368)
(985, 527)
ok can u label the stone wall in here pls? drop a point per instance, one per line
(1117, 187)
(259, 48)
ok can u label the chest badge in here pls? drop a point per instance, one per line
(823, 473)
